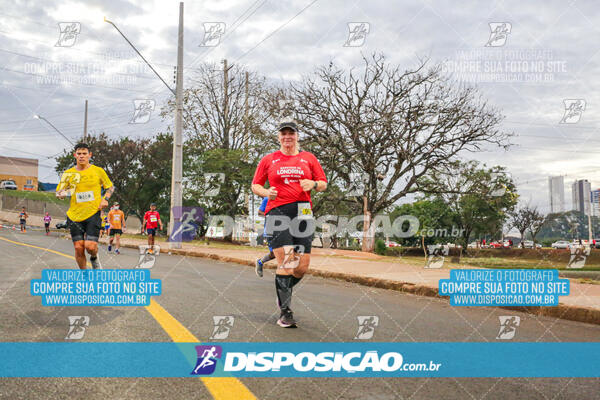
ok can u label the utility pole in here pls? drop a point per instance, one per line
(177, 169)
(590, 233)
(85, 123)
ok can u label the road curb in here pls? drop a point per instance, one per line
(562, 311)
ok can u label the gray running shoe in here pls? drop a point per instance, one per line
(258, 268)
(287, 319)
(95, 263)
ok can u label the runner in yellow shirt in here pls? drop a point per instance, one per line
(83, 183)
(116, 219)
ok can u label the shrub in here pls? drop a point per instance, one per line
(380, 247)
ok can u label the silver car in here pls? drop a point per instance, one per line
(561, 244)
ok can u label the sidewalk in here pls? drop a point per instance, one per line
(583, 304)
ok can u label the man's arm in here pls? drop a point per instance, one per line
(107, 194)
(160, 223)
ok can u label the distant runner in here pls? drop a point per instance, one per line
(116, 219)
(105, 225)
(268, 257)
(47, 219)
(151, 223)
(23, 220)
(84, 183)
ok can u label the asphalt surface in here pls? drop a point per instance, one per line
(196, 289)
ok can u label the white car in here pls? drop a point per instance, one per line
(528, 244)
(561, 244)
(8, 185)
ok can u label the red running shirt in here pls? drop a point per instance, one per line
(284, 173)
(151, 218)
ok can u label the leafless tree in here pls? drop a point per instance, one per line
(520, 218)
(389, 127)
(537, 222)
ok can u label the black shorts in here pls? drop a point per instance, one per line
(114, 232)
(151, 231)
(286, 229)
(47, 225)
(22, 221)
(88, 229)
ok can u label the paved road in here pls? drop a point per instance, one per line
(196, 289)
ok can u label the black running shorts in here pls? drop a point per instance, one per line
(88, 229)
(114, 232)
(290, 225)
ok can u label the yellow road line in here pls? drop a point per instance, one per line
(219, 388)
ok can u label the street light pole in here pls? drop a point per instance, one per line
(177, 169)
(55, 128)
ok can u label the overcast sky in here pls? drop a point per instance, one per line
(549, 54)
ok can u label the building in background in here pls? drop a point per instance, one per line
(23, 171)
(596, 203)
(582, 196)
(556, 186)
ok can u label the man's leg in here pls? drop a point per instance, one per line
(92, 248)
(117, 241)
(80, 254)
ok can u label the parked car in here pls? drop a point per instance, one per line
(495, 245)
(8, 185)
(528, 244)
(596, 243)
(560, 244)
(61, 225)
(393, 244)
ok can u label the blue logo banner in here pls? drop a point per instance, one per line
(95, 287)
(504, 287)
(307, 359)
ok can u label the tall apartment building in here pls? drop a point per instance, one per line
(556, 186)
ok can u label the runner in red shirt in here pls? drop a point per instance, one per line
(151, 222)
(292, 174)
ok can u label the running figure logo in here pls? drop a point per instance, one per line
(508, 327)
(579, 254)
(148, 256)
(291, 256)
(435, 255)
(357, 33)
(498, 187)
(223, 325)
(142, 111)
(213, 31)
(366, 326)
(68, 33)
(77, 325)
(188, 219)
(213, 182)
(574, 109)
(207, 359)
(357, 184)
(499, 32)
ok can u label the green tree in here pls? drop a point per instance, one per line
(480, 197)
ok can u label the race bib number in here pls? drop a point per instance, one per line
(304, 211)
(153, 218)
(83, 197)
